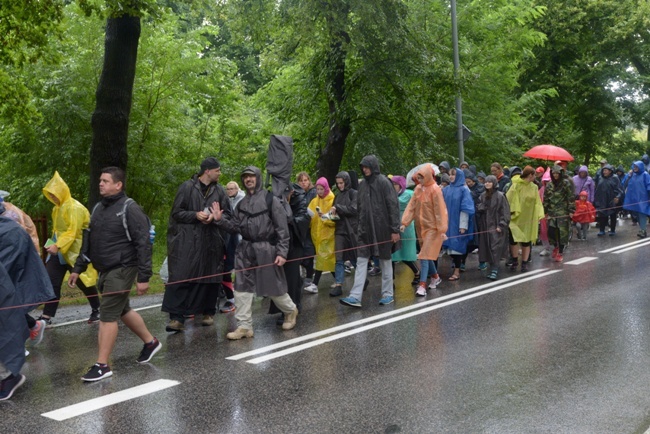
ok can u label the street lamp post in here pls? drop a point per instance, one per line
(459, 101)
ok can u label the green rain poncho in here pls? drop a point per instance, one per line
(525, 210)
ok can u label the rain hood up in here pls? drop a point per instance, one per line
(458, 199)
(638, 190)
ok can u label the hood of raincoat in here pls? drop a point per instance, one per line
(444, 178)
(645, 159)
(515, 170)
(322, 181)
(638, 164)
(470, 175)
(620, 168)
(481, 175)
(372, 162)
(493, 180)
(584, 193)
(445, 165)
(258, 177)
(347, 181)
(401, 181)
(583, 169)
(427, 175)
(610, 168)
(58, 188)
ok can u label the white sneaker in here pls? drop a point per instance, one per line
(544, 252)
(435, 282)
(311, 288)
(421, 291)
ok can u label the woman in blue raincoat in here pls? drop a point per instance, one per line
(637, 196)
(460, 208)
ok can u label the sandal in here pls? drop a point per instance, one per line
(493, 275)
(454, 277)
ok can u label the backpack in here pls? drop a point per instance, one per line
(127, 202)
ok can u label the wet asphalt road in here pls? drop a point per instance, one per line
(563, 348)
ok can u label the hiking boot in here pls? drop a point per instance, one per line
(311, 288)
(97, 372)
(149, 350)
(175, 326)
(9, 385)
(208, 320)
(227, 307)
(36, 332)
(435, 281)
(350, 301)
(239, 334)
(94, 316)
(337, 291)
(290, 320)
(387, 300)
(422, 290)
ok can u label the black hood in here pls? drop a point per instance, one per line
(345, 176)
(372, 162)
(258, 176)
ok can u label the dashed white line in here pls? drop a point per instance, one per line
(582, 260)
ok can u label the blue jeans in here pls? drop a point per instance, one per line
(427, 268)
(643, 220)
(339, 272)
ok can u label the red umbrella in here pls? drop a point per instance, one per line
(548, 152)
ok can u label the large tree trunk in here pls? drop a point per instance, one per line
(110, 120)
(331, 156)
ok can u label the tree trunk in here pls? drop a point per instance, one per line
(110, 120)
(331, 156)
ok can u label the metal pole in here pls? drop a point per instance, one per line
(459, 101)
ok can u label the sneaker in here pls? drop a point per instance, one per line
(48, 321)
(311, 288)
(348, 270)
(227, 307)
(36, 332)
(240, 333)
(416, 280)
(559, 257)
(9, 385)
(290, 320)
(26, 352)
(149, 350)
(374, 272)
(514, 264)
(435, 281)
(544, 252)
(208, 320)
(556, 251)
(422, 290)
(387, 300)
(350, 301)
(462, 267)
(642, 234)
(175, 326)
(601, 233)
(96, 373)
(482, 266)
(337, 291)
(94, 317)
(510, 261)
(524, 266)
(612, 233)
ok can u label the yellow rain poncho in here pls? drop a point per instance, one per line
(322, 233)
(526, 210)
(69, 219)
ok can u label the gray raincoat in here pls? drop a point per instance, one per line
(265, 235)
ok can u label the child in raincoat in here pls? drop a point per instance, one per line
(585, 214)
(322, 232)
(69, 219)
(408, 252)
(427, 208)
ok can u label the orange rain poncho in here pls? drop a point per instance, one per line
(427, 207)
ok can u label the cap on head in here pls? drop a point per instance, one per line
(209, 163)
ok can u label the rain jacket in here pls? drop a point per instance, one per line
(559, 202)
(408, 251)
(322, 230)
(526, 210)
(638, 191)
(378, 212)
(585, 211)
(195, 249)
(427, 207)
(608, 188)
(23, 282)
(265, 235)
(69, 219)
(493, 212)
(19, 216)
(458, 199)
(584, 184)
(346, 228)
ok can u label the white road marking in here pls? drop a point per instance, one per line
(581, 260)
(647, 243)
(85, 320)
(623, 246)
(111, 399)
(392, 320)
(376, 317)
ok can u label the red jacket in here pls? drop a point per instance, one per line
(585, 212)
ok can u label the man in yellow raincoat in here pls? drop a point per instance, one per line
(69, 219)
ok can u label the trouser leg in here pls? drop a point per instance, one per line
(284, 303)
(56, 272)
(359, 278)
(386, 278)
(244, 312)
